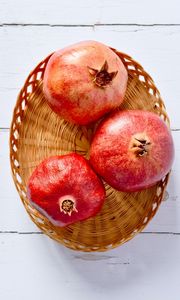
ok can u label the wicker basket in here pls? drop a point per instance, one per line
(37, 132)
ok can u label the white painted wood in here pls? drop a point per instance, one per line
(156, 48)
(89, 12)
(31, 265)
(35, 267)
(13, 216)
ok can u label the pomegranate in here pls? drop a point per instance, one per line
(65, 189)
(132, 150)
(84, 81)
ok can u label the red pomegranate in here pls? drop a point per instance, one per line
(132, 150)
(65, 189)
(84, 81)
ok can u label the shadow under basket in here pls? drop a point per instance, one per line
(37, 132)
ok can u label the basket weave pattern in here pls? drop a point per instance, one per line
(37, 132)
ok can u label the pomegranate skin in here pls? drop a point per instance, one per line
(132, 150)
(69, 84)
(65, 189)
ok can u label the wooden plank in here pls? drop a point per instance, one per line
(35, 267)
(13, 216)
(156, 49)
(89, 12)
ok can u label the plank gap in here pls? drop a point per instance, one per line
(90, 25)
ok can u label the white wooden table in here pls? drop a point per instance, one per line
(31, 265)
